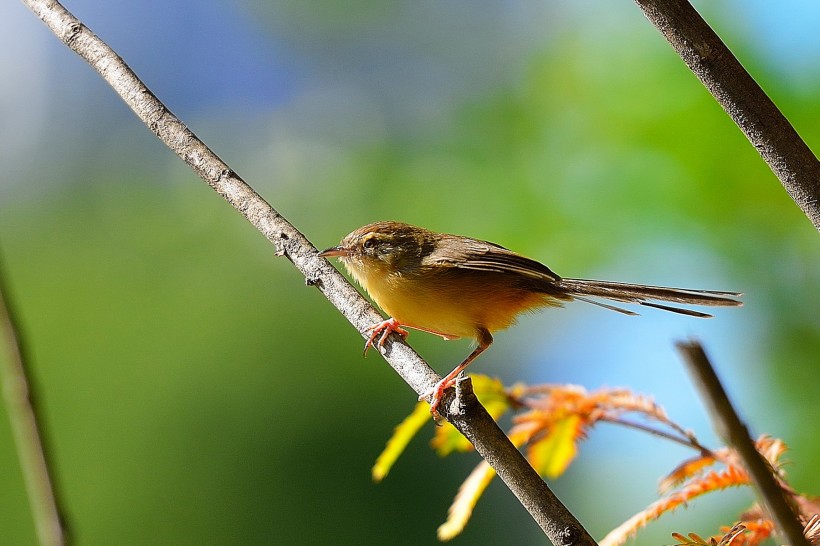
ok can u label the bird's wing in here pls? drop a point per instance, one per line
(464, 253)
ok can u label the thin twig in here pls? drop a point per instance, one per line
(687, 440)
(741, 97)
(555, 520)
(734, 434)
(49, 524)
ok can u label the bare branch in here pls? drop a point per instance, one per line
(741, 97)
(687, 440)
(28, 436)
(469, 417)
(734, 434)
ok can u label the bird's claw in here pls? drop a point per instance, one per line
(435, 395)
(381, 330)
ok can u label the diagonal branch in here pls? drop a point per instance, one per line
(734, 434)
(741, 97)
(469, 417)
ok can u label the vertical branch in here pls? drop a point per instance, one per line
(734, 434)
(768, 130)
(28, 436)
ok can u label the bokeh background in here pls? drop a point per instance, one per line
(196, 392)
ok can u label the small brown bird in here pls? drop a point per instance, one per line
(454, 287)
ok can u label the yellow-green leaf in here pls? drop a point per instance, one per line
(447, 440)
(468, 494)
(552, 454)
(402, 435)
(491, 393)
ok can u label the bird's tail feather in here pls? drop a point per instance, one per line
(647, 295)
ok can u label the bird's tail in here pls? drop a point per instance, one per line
(647, 295)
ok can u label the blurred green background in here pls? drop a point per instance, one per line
(196, 392)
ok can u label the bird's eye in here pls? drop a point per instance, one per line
(369, 243)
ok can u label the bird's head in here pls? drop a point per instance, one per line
(382, 248)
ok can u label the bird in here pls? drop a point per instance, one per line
(459, 287)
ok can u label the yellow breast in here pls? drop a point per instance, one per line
(453, 304)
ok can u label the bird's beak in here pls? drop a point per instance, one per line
(335, 251)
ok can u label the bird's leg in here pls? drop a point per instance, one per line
(437, 392)
(381, 330)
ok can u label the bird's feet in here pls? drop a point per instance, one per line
(381, 330)
(436, 394)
